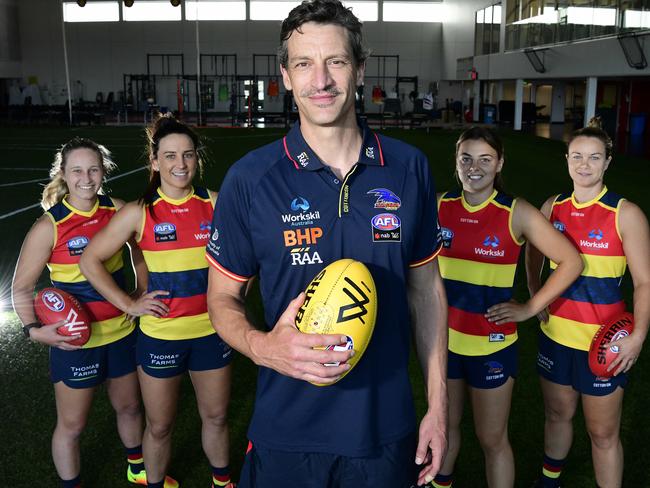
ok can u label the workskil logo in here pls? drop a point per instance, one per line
(490, 247)
(300, 213)
(596, 236)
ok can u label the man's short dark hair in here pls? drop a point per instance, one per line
(323, 12)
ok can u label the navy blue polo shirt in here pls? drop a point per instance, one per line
(283, 215)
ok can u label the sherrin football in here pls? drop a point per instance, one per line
(52, 305)
(601, 356)
(341, 299)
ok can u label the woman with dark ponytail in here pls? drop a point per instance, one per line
(171, 224)
(75, 210)
(483, 230)
(610, 233)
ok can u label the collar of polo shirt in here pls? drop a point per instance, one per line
(302, 156)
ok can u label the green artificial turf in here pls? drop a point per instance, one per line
(535, 169)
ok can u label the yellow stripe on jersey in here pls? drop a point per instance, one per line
(475, 273)
(601, 266)
(70, 273)
(108, 331)
(473, 345)
(570, 333)
(176, 260)
(177, 328)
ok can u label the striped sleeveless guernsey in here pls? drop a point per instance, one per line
(478, 261)
(173, 243)
(595, 297)
(73, 230)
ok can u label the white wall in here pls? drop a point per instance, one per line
(100, 53)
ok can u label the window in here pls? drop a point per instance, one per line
(157, 10)
(636, 19)
(365, 11)
(215, 10)
(487, 28)
(92, 12)
(414, 12)
(271, 10)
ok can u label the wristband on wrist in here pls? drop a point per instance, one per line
(27, 328)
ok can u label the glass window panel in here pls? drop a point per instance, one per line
(414, 12)
(271, 10)
(636, 19)
(365, 11)
(92, 12)
(215, 10)
(151, 11)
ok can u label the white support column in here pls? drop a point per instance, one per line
(590, 98)
(558, 102)
(477, 101)
(519, 101)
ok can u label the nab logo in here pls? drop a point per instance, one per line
(77, 244)
(386, 228)
(386, 199)
(299, 203)
(357, 309)
(205, 225)
(491, 241)
(596, 234)
(164, 232)
(559, 226)
(53, 301)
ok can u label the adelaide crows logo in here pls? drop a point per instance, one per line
(385, 199)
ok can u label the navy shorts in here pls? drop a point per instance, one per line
(163, 358)
(85, 368)
(392, 467)
(568, 366)
(485, 372)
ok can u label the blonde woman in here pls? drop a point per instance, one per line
(75, 209)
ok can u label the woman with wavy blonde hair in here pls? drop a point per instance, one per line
(75, 210)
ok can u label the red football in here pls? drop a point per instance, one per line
(600, 356)
(52, 305)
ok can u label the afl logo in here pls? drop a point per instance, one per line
(559, 226)
(386, 221)
(447, 236)
(53, 301)
(621, 334)
(77, 244)
(164, 232)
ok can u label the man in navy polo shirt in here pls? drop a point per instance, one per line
(324, 192)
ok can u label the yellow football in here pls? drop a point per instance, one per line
(341, 299)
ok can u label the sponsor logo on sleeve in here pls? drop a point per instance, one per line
(447, 236)
(559, 226)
